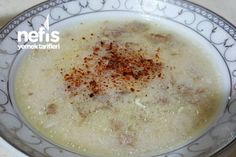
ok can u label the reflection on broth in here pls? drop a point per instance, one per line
(119, 88)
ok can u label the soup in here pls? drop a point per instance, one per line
(119, 88)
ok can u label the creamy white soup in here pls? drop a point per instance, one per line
(119, 89)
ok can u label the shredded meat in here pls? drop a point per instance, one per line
(156, 38)
(51, 109)
(187, 91)
(88, 108)
(163, 100)
(126, 139)
(132, 27)
(184, 90)
(116, 32)
(200, 91)
(136, 26)
(116, 125)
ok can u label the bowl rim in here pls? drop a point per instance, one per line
(217, 152)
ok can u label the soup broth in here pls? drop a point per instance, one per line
(119, 88)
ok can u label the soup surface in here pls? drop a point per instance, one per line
(119, 88)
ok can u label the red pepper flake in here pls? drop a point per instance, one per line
(132, 89)
(96, 49)
(120, 67)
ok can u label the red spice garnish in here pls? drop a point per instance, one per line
(113, 65)
(96, 49)
(94, 87)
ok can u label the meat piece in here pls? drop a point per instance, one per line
(191, 95)
(116, 125)
(156, 38)
(174, 54)
(184, 90)
(163, 100)
(137, 27)
(194, 100)
(115, 33)
(87, 108)
(51, 109)
(172, 80)
(132, 46)
(83, 113)
(126, 139)
(200, 90)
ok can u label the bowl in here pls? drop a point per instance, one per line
(214, 33)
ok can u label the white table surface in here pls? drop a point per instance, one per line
(10, 8)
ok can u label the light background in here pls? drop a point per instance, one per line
(10, 8)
